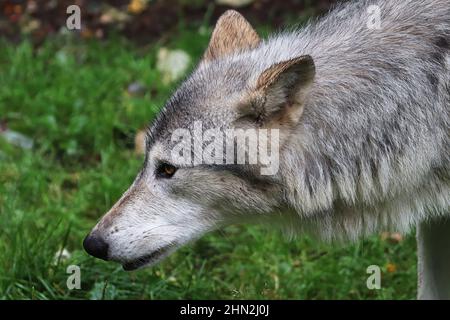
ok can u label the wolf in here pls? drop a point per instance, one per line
(363, 115)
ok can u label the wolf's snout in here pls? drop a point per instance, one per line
(96, 246)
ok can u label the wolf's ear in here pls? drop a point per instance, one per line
(281, 90)
(232, 33)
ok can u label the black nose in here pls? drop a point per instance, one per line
(96, 246)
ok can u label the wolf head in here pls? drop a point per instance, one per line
(178, 196)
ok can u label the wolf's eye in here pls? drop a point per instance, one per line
(165, 170)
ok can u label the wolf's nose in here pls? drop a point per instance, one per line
(96, 246)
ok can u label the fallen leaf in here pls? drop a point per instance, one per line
(391, 268)
(31, 26)
(86, 33)
(99, 34)
(173, 64)
(112, 15)
(17, 139)
(137, 6)
(394, 237)
(139, 142)
(31, 6)
(397, 237)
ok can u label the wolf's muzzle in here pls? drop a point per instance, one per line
(96, 246)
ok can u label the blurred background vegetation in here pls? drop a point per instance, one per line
(72, 106)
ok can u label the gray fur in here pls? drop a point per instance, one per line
(369, 151)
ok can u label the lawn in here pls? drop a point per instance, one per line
(71, 98)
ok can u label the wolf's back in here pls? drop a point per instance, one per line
(374, 136)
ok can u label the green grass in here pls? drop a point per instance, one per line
(70, 97)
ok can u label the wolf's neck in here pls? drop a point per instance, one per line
(433, 240)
